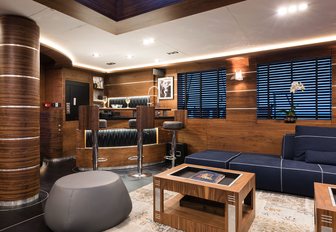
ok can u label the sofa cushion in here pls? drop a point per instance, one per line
(328, 174)
(266, 168)
(320, 157)
(288, 146)
(298, 177)
(313, 138)
(211, 158)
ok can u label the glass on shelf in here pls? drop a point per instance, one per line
(127, 100)
(104, 101)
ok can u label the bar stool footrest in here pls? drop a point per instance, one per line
(170, 157)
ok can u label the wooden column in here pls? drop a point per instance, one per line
(19, 110)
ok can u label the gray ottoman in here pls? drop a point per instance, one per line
(88, 201)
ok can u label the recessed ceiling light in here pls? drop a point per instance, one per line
(282, 11)
(157, 60)
(303, 6)
(110, 63)
(291, 9)
(95, 55)
(130, 57)
(148, 41)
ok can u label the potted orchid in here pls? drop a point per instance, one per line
(290, 113)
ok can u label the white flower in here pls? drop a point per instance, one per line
(296, 86)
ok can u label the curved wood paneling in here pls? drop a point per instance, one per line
(19, 154)
(16, 89)
(18, 123)
(19, 61)
(19, 109)
(60, 59)
(19, 30)
(18, 185)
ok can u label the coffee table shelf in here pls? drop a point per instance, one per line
(236, 195)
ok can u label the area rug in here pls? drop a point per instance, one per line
(274, 213)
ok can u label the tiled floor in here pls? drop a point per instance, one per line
(31, 218)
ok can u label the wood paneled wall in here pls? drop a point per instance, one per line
(54, 91)
(240, 131)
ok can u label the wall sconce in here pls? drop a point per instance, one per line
(238, 76)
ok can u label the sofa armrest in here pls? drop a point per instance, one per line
(288, 145)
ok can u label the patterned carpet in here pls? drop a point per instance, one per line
(274, 213)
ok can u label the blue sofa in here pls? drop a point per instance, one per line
(307, 156)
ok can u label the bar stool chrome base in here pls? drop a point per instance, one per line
(139, 175)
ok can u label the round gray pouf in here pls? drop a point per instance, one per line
(88, 201)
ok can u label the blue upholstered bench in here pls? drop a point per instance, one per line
(266, 167)
(307, 156)
(212, 158)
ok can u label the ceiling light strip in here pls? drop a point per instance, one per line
(22, 138)
(297, 43)
(18, 107)
(20, 45)
(20, 76)
(241, 91)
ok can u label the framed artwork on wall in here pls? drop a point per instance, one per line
(166, 88)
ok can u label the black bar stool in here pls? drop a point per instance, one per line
(174, 126)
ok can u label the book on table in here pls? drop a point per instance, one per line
(208, 176)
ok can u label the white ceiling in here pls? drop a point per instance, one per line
(238, 28)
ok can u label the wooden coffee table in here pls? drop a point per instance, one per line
(233, 197)
(325, 208)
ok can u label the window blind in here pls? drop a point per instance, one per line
(203, 94)
(273, 85)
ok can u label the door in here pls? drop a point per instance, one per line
(76, 94)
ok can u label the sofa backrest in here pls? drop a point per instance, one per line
(315, 139)
(134, 101)
(288, 146)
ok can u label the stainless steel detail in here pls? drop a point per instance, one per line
(20, 45)
(157, 200)
(95, 149)
(19, 202)
(19, 169)
(140, 173)
(326, 229)
(23, 138)
(231, 218)
(20, 76)
(19, 107)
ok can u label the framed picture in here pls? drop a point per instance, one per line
(166, 88)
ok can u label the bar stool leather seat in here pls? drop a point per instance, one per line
(172, 125)
(132, 123)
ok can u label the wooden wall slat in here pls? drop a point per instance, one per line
(241, 131)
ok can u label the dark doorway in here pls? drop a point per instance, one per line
(76, 94)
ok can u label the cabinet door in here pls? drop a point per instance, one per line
(76, 94)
